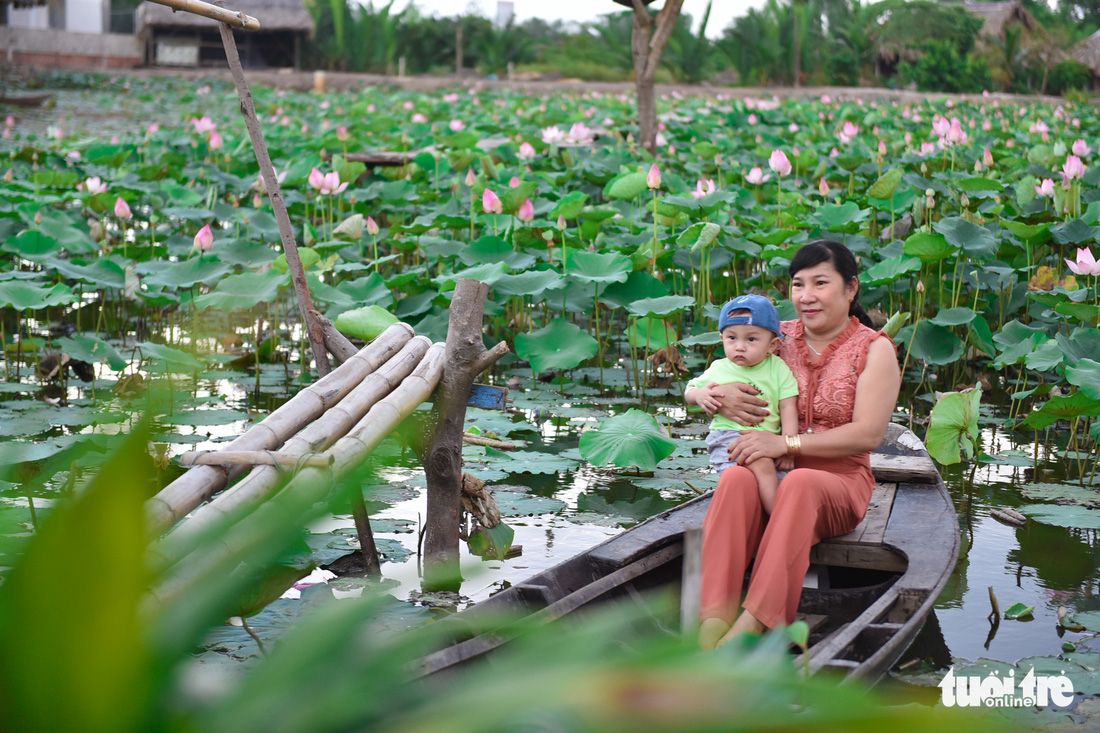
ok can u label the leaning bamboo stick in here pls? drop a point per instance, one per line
(311, 484)
(264, 481)
(174, 501)
(250, 458)
(206, 10)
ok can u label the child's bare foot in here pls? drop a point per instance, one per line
(710, 631)
(746, 623)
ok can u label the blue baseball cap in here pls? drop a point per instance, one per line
(761, 313)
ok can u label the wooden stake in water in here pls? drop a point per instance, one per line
(271, 181)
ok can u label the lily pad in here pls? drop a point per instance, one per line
(631, 439)
(1058, 515)
(954, 426)
(1019, 611)
(365, 323)
(558, 345)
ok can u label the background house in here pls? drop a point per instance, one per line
(185, 39)
(1087, 52)
(81, 16)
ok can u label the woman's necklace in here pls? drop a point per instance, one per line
(811, 348)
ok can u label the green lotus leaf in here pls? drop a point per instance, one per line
(489, 249)
(1058, 515)
(183, 274)
(570, 205)
(843, 217)
(165, 357)
(1081, 311)
(1074, 232)
(699, 236)
(928, 247)
(953, 317)
(885, 186)
(491, 543)
(91, 349)
(102, 273)
(366, 323)
(558, 345)
(660, 307)
(1019, 610)
(954, 426)
(513, 198)
(650, 333)
(1086, 377)
(932, 343)
(631, 439)
(627, 186)
(28, 296)
(487, 274)
(890, 269)
(1062, 407)
(1033, 233)
(1046, 357)
(976, 241)
(31, 244)
(532, 282)
(308, 255)
(596, 267)
(244, 291)
(1082, 343)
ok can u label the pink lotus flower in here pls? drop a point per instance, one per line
(152, 129)
(882, 147)
(526, 151)
(793, 127)
(1073, 168)
(1085, 264)
(341, 133)
(927, 148)
(216, 140)
(1045, 189)
(987, 125)
(1038, 128)
(457, 125)
(653, 178)
(940, 126)
(419, 118)
(580, 133)
(452, 97)
(757, 176)
(122, 209)
(1080, 148)
(704, 187)
(9, 121)
(848, 133)
(408, 105)
(470, 177)
(823, 187)
(204, 240)
(825, 99)
(93, 185)
(526, 211)
(328, 183)
(204, 125)
(490, 202)
(753, 119)
(7, 133)
(778, 162)
(515, 182)
(372, 226)
(660, 141)
(552, 134)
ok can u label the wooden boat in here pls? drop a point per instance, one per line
(27, 100)
(867, 595)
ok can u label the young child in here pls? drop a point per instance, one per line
(749, 325)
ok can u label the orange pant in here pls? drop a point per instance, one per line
(820, 498)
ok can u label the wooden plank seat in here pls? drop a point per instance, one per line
(863, 546)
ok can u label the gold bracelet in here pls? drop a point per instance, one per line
(794, 445)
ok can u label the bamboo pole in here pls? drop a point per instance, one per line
(310, 483)
(174, 501)
(206, 10)
(264, 481)
(282, 218)
(250, 458)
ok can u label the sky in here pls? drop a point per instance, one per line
(721, 13)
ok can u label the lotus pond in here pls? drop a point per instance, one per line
(142, 275)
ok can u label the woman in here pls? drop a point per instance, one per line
(848, 380)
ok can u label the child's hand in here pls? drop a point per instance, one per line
(784, 463)
(707, 399)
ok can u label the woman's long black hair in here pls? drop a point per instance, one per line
(835, 253)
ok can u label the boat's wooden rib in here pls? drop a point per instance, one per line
(878, 582)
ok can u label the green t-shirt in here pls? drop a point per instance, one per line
(772, 377)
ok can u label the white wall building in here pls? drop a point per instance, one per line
(81, 16)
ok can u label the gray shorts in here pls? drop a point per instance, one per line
(718, 446)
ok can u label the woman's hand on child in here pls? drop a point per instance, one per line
(738, 402)
(753, 444)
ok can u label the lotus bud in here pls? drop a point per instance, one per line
(470, 177)
(526, 211)
(823, 187)
(38, 217)
(257, 202)
(987, 158)
(920, 286)
(490, 202)
(96, 230)
(964, 201)
(561, 222)
(653, 178)
(372, 226)
(9, 176)
(204, 240)
(122, 209)
(514, 183)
